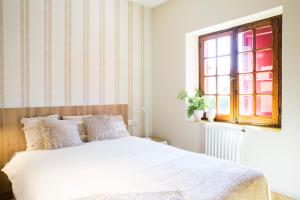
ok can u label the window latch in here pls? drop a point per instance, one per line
(236, 120)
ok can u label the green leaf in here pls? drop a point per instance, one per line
(182, 95)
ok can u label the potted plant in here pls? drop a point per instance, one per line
(196, 104)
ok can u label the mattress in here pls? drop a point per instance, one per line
(130, 168)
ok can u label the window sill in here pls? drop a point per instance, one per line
(242, 126)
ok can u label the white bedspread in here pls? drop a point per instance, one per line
(130, 169)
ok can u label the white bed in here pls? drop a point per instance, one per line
(130, 168)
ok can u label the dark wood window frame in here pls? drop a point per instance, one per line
(233, 116)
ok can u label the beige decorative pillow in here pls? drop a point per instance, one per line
(33, 132)
(120, 126)
(79, 121)
(100, 127)
(60, 133)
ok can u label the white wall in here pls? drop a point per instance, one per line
(76, 52)
(276, 154)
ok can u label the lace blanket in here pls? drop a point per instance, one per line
(137, 196)
(192, 177)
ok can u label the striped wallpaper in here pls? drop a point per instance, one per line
(73, 52)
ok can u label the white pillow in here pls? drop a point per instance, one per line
(79, 121)
(33, 132)
(60, 133)
(120, 126)
(100, 127)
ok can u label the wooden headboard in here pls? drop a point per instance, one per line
(12, 138)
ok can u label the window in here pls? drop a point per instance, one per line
(240, 72)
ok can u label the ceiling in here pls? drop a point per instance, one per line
(149, 3)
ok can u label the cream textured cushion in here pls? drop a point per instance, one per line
(100, 127)
(60, 133)
(33, 132)
(120, 126)
(79, 121)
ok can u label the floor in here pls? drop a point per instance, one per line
(5, 196)
(276, 196)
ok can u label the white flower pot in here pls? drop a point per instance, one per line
(198, 114)
(211, 115)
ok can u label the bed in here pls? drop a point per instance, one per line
(130, 168)
(127, 167)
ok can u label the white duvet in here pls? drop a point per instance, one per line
(130, 169)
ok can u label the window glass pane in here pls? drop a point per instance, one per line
(224, 85)
(224, 65)
(210, 85)
(264, 82)
(224, 105)
(210, 48)
(246, 84)
(245, 41)
(264, 60)
(245, 62)
(264, 105)
(210, 67)
(211, 101)
(246, 105)
(264, 37)
(224, 46)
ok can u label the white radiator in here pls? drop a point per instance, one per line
(225, 142)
